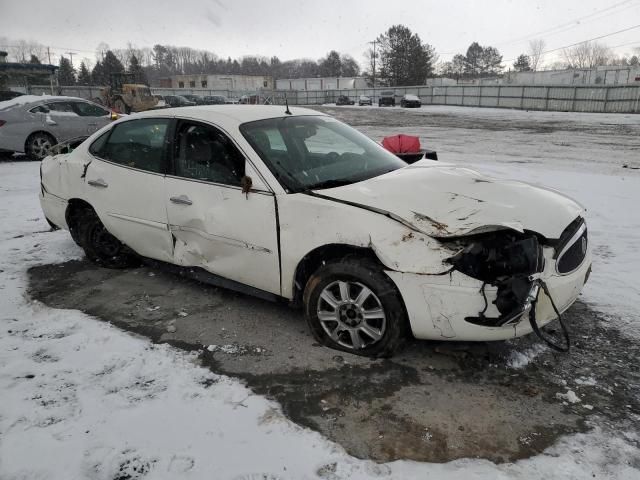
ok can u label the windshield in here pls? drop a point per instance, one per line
(314, 152)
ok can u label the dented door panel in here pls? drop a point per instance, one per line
(225, 231)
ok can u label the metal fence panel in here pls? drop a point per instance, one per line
(579, 98)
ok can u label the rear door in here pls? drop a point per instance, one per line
(215, 225)
(125, 185)
(63, 121)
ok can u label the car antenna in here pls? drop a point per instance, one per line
(286, 102)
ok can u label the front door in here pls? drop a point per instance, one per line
(214, 224)
(125, 185)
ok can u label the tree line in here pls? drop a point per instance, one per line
(398, 57)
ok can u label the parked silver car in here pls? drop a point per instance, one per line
(33, 124)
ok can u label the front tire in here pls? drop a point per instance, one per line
(100, 246)
(38, 145)
(121, 107)
(354, 307)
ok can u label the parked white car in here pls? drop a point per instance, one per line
(300, 206)
(33, 124)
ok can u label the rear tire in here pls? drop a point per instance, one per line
(351, 305)
(100, 246)
(38, 145)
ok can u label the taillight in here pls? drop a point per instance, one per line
(2, 122)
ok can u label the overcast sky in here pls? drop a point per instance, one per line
(302, 28)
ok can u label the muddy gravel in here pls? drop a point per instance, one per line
(435, 401)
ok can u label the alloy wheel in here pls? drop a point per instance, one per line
(351, 314)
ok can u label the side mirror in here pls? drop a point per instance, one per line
(246, 183)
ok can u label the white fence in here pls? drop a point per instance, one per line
(612, 99)
(566, 98)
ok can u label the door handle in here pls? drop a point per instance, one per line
(182, 200)
(98, 183)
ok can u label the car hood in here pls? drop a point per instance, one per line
(446, 201)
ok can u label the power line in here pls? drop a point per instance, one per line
(584, 41)
(571, 24)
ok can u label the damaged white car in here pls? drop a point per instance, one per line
(293, 204)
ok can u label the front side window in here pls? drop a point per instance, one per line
(89, 110)
(138, 144)
(204, 153)
(97, 145)
(315, 152)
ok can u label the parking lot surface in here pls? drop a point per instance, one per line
(435, 401)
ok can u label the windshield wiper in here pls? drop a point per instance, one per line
(330, 184)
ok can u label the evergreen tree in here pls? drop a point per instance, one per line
(34, 60)
(404, 59)
(331, 65)
(136, 69)
(97, 74)
(111, 65)
(479, 61)
(66, 72)
(522, 64)
(84, 77)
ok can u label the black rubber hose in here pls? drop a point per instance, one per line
(538, 332)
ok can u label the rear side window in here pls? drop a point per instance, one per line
(138, 144)
(62, 109)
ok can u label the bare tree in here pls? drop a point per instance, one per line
(536, 53)
(587, 55)
(22, 50)
(101, 50)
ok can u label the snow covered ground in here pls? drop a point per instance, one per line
(81, 399)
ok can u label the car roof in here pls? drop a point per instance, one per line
(228, 115)
(30, 100)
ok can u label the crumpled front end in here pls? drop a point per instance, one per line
(495, 282)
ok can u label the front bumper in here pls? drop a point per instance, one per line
(437, 305)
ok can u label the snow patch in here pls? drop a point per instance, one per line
(569, 396)
(519, 360)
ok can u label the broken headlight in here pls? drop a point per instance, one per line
(572, 247)
(507, 260)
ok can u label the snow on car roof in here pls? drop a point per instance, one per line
(409, 96)
(29, 99)
(231, 115)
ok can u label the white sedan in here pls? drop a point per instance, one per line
(296, 205)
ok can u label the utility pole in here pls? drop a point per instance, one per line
(49, 55)
(71, 54)
(374, 62)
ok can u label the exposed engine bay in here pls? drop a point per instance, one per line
(509, 261)
(513, 262)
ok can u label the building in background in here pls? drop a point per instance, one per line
(324, 83)
(219, 82)
(20, 76)
(605, 75)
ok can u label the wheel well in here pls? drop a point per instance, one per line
(26, 142)
(317, 257)
(74, 208)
